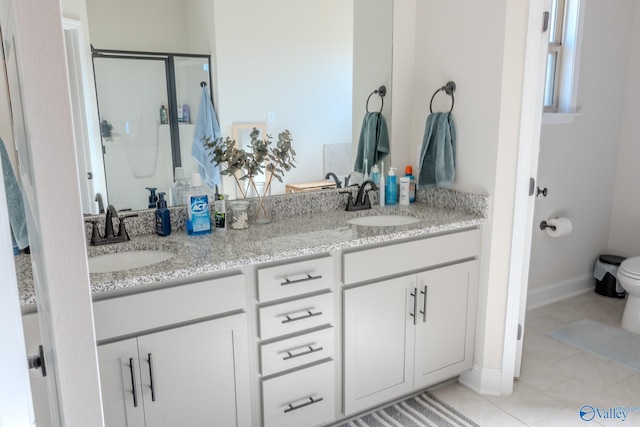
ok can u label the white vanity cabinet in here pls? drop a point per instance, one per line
(187, 366)
(404, 332)
(296, 339)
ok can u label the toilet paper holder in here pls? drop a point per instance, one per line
(544, 226)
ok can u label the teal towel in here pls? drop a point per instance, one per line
(374, 141)
(438, 153)
(206, 128)
(17, 220)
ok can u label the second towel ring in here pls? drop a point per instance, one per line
(449, 89)
(382, 91)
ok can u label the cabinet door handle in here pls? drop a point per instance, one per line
(424, 310)
(302, 405)
(304, 316)
(133, 383)
(304, 353)
(151, 384)
(304, 279)
(414, 295)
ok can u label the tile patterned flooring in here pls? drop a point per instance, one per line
(556, 379)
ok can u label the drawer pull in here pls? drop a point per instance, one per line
(304, 279)
(310, 402)
(305, 316)
(304, 353)
(133, 383)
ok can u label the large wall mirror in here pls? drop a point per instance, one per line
(303, 65)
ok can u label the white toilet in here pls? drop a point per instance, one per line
(629, 277)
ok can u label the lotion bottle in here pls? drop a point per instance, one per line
(381, 191)
(391, 188)
(408, 171)
(163, 217)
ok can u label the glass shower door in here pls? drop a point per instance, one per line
(136, 143)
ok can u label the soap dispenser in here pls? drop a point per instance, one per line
(153, 198)
(391, 188)
(163, 217)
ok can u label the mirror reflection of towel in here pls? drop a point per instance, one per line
(207, 127)
(438, 153)
(374, 141)
(15, 203)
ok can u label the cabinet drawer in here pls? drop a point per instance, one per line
(301, 398)
(294, 279)
(399, 258)
(167, 306)
(297, 351)
(296, 316)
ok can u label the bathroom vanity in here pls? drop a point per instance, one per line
(301, 322)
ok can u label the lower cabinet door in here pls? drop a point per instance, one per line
(378, 342)
(194, 375)
(445, 325)
(301, 398)
(120, 384)
(197, 375)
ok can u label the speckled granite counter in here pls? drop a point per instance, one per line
(285, 237)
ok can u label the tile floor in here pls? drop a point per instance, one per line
(556, 379)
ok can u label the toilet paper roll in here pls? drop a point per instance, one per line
(562, 226)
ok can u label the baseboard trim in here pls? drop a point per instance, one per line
(482, 380)
(543, 295)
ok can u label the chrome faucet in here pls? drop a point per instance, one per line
(362, 200)
(109, 233)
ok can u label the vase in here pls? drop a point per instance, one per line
(239, 214)
(261, 191)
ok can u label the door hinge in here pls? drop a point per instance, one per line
(519, 331)
(545, 21)
(37, 361)
(532, 186)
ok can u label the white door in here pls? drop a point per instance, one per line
(532, 101)
(378, 342)
(42, 128)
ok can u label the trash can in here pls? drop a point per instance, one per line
(605, 274)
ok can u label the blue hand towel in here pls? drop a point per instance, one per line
(15, 203)
(374, 141)
(207, 127)
(438, 153)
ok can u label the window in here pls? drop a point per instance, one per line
(561, 84)
(554, 63)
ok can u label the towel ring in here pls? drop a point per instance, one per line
(203, 84)
(449, 89)
(382, 91)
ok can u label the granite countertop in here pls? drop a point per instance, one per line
(285, 237)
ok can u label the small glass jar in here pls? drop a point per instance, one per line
(239, 214)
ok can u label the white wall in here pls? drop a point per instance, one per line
(260, 69)
(624, 237)
(483, 54)
(578, 161)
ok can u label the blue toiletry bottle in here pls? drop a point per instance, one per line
(153, 198)
(375, 174)
(163, 217)
(186, 114)
(391, 188)
(198, 211)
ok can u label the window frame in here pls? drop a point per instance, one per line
(556, 44)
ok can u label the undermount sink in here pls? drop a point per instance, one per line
(383, 220)
(127, 260)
